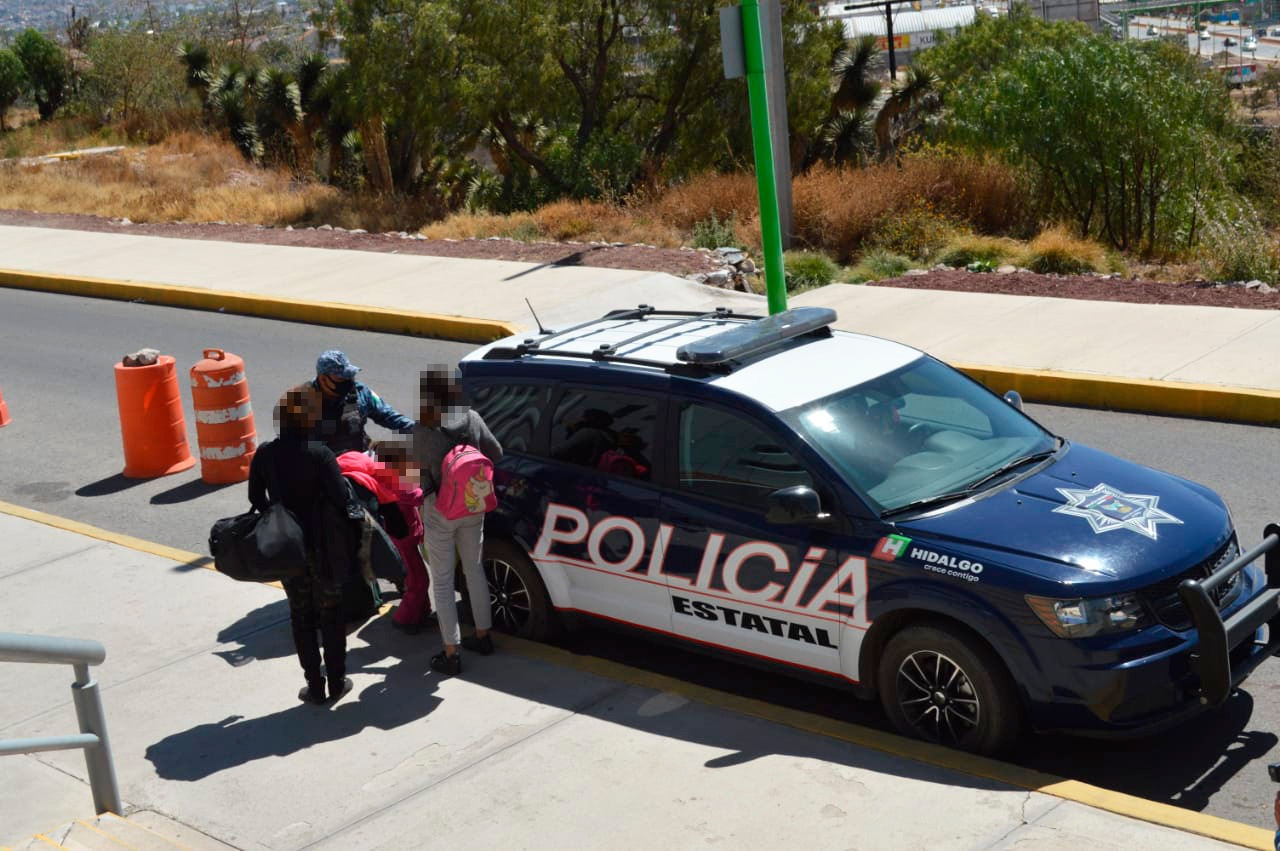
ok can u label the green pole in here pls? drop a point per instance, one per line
(762, 142)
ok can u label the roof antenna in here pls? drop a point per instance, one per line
(541, 330)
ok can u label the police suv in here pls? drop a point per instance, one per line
(849, 508)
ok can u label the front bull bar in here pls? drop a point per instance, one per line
(1217, 638)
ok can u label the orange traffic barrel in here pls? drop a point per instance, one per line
(4, 412)
(151, 422)
(224, 418)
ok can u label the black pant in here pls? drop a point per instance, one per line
(310, 612)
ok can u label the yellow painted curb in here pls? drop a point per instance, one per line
(1119, 803)
(128, 541)
(460, 328)
(1169, 398)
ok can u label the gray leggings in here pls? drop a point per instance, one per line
(446, 540)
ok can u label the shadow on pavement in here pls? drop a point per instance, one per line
(111, 484)
(404, 695)
(1185, 766)
(407, 693)
(255, 636)
(195, 564)
(188, 491)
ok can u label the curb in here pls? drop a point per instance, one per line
(1120, 803)
(461, 328)
(1145, 396)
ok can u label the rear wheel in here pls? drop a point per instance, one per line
(517, 597)
(939, 684)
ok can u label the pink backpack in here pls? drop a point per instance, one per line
(466, 483)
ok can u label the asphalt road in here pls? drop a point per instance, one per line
(62, 455)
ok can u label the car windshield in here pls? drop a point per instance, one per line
(918, 433)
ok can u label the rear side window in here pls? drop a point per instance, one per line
(726, 457)
(512, 412)
(609, 432)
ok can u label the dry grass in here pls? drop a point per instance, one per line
(726, 196)
(974, 248)
(192, 178)
(840, 209)
(561, 221)
(1057, 250)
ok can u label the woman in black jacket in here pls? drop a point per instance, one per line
(303, 475)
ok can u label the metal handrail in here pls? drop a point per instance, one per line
(92, 739)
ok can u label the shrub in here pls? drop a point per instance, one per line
(917, 232)
(1240, 251)
(877, 265)
(574, 220)
(522, 229)
(723, 197)
(808, 269)
(711, 232)
(967, 249)
(839, 209)
(1057, 251)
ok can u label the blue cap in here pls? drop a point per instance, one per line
(334, 362)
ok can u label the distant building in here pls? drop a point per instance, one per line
(1085, 11)
(913, 30)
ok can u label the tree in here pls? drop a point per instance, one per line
(48, 71)
(12, 79)
(132, 77)
(971, 55)
(625, 93)
(403, 85)
(1126, 139)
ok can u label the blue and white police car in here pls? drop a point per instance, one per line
(849, 508)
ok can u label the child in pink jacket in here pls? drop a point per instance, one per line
(415, 606)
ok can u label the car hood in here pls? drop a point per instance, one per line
(1087, 518)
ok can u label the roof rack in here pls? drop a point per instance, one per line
(605, 350)
(531, 344)
(712, 354)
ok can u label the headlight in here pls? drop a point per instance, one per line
(1081, 618)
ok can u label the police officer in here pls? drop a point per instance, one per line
(348, 405)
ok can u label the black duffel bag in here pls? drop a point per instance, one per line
(254, 547)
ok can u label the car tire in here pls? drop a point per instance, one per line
(944, 685)
(517, 597)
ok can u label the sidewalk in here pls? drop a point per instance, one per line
(528, 749)
(1182, 347)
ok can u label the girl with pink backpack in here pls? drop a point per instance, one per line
(455, 452)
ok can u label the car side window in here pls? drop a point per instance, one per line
(727, 457)
(512, 412)
(609, 432)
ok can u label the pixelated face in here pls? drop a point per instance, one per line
(439, 395)
(299, 408)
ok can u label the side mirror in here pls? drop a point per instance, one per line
(1013, 397)
(799, 504)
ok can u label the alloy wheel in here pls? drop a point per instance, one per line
(937, 698)
(508, 596)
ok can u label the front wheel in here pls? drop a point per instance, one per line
(517, 597)
(939, 684)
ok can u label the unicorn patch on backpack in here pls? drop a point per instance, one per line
(477, 491)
